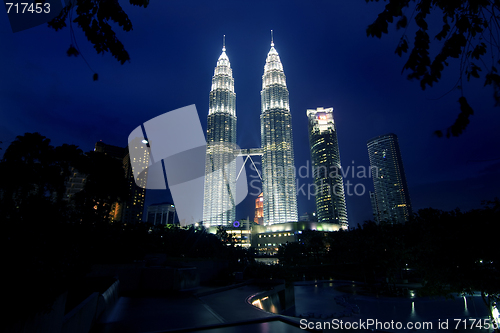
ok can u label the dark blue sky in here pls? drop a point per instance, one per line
(328, 60)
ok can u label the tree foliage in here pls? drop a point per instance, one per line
(469, 32)
(95, 18)
(33, 175)
(448, 253)
(50, 244)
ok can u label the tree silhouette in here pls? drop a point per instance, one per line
(93, 17)
(32, 177)
(469, 33)
(459, 253)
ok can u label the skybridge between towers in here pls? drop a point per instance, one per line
(248, 153)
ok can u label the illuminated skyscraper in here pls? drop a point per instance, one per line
(330, 197)
(130, 210)
(391, 200)
(278, 169)
(133, 207)
(220, 166)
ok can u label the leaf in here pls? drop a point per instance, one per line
(402, 46)
(72, 51)
(442, 34)
(453, 45)
(380, 25)
(140, 3)
(462, 119)
(402, 23)
(463, 24)
(420, 19)
(438, 133)
(494, 79)
(419, 57)
(59, 22)
(474, 70)
(478, 51)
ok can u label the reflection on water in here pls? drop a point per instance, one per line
(327, 300)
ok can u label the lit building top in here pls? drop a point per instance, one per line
(321, 119)
(274, 92)
(222, 96)
(273, 63)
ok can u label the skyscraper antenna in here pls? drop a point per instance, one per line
(224, 43)
(272, 40)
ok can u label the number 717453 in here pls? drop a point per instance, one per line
(26, 7)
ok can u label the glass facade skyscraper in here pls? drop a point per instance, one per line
(391, 200)
(220, 165)
(278, 168)
(330, 196)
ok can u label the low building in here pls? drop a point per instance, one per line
(240, 232)
(267, 240)
(161, 214)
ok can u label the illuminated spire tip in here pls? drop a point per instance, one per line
(224, 43)
(272, 40)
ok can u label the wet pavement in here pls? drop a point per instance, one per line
(220, 311)
(227, 311)
(324, 301)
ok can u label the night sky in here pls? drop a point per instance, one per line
(328, 60)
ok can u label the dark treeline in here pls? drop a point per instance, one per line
(50, 243)
(446, 252)
(33, 175)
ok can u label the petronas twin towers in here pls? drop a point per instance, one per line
(278, 171)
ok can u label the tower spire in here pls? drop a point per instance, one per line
(272, 40)
(224, 43)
